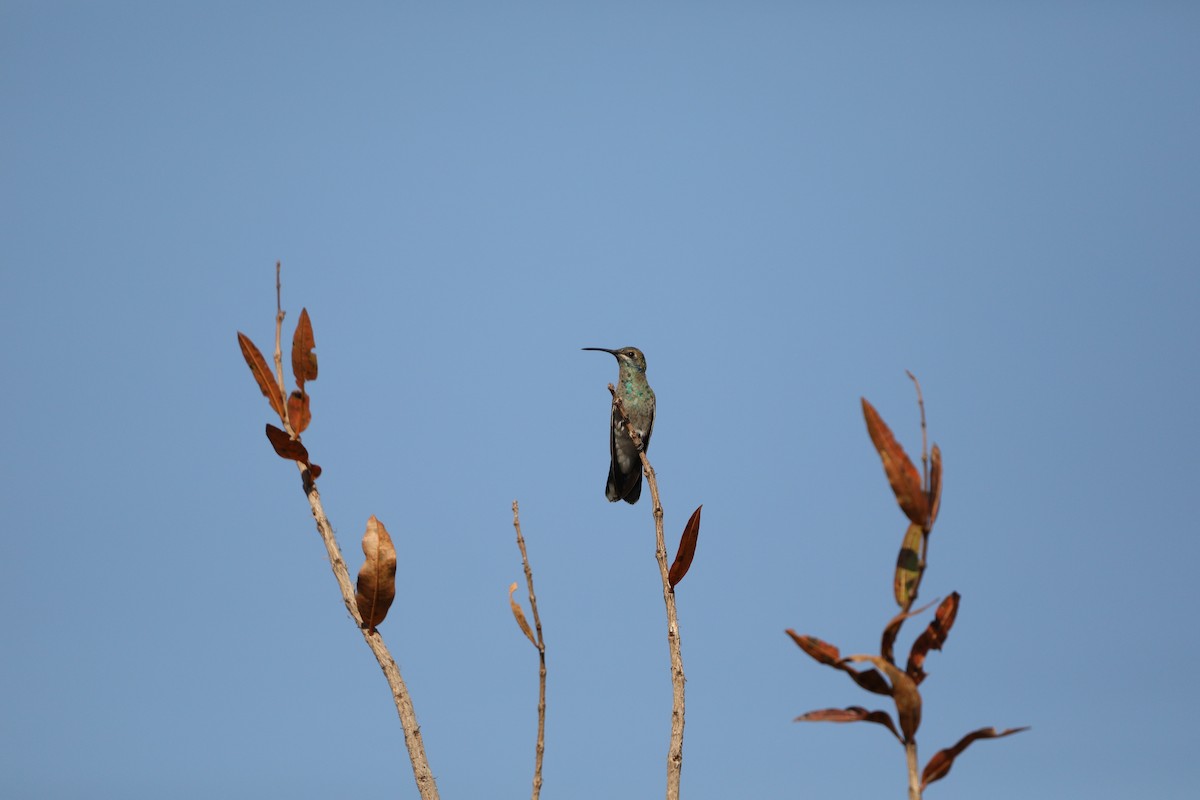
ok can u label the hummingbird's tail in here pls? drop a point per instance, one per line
(623, 486)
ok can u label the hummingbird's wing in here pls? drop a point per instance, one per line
(625, 466)
(649, 429)
(622, 466)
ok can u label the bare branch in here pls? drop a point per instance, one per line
(426, 784)
(675, 752)
(540, 747)
(914, 775)
(279, 315)
(924, 439)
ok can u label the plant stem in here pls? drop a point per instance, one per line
(914, 776)
(540, 747)
(675, 752)
(426, 784)
(924, 438)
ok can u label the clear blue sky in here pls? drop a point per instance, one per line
(784, 205)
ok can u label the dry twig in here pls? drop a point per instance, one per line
(540, 748)
(426, 784)
(675, 752)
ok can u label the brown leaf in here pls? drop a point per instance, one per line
(520, 615)
(287, 447)
(377, 578)
(892, 630)
(687, 548)
(851, 714)
(826, 653)
(935, 483)
(908, 566)
(298, 414)
(904, 693)
(933, 637)
(262, 373)
(304, 360)
(868, 679)
(817, 649)
(939, 766)
(901, 474)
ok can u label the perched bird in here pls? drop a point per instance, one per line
(625, 471)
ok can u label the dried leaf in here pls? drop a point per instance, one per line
(904, 693)
(908, 703)
(935, 483)
(868, 679)
(851, 714)
(262, 373)
(933, 637)
(687, 548)
(908, 566)
(304, 360)
(298, 414)
(826, 653)
(377, 578)
(901, 474)
(520, 615)
(817, 649)
(939, 766)
(287, 447)
(892, 630)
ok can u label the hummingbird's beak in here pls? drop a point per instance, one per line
(601, 350)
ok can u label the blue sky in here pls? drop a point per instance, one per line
(784, 205)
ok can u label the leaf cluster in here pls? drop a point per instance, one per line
(919, 498)
(377, 578)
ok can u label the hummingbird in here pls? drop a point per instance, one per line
(625, 470)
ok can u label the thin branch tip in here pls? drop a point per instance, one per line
(540, 643)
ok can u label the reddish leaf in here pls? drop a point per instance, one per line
(304, 360)
(285, 446)
(817, 649)
(935, 483)
(851, 714)
(826, 653)
(934, 636)
(892, 630)
(939, 766)
(904, 693)
(901, 474)
(908, 566)
(687, 548)
(868, 679)
(519, 615)
(298, 414)
(289, 448)
(908, 703)
(262, 373)
(377, 578)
